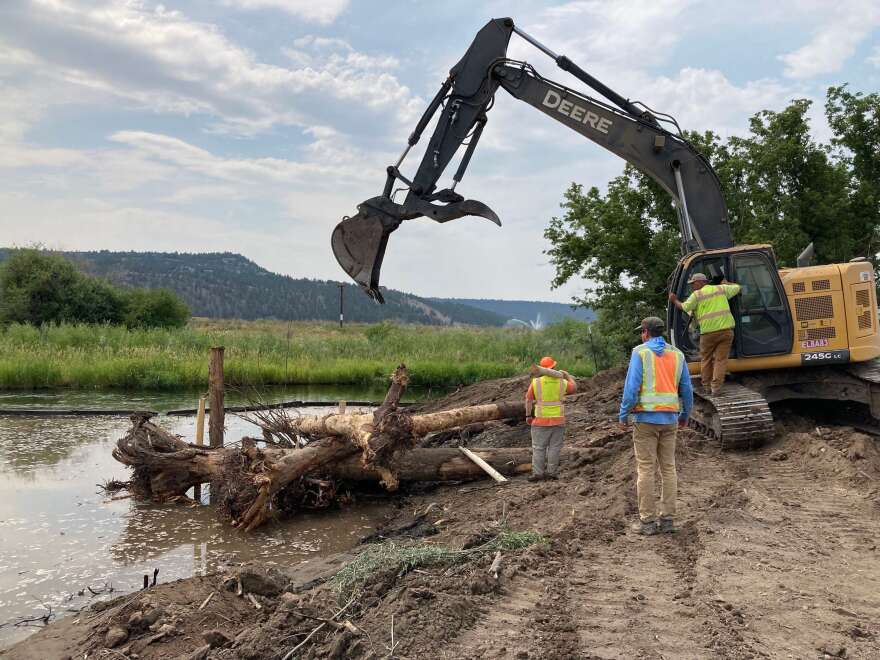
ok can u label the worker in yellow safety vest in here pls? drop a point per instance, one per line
(709, 304)
(657, 394)
(545, 412)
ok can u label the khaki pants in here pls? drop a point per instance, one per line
(714, 349)
(653, 443)
(546, 446)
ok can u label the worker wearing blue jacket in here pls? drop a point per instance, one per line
(659, 396)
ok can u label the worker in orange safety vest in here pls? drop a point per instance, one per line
(545, 412)
(658, 394)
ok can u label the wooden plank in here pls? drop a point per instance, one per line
(488, 469)
(200, 441)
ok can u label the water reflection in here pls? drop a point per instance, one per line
(60, 534)
(30, 445)
(164, 401)
(152, 531)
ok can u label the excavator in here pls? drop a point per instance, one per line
(808, 332)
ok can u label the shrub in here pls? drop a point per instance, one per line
(39, 288)
(155, 308)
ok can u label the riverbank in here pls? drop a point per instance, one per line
(776, 556)
(271, 353)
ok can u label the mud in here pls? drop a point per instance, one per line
(776, 556)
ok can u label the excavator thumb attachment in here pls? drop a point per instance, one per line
(359, 242)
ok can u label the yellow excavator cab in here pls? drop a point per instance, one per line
(809, 332)
(791, 317)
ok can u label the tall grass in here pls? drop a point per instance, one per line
(262, 353)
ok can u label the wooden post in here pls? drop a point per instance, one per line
(200, 441)
(215, 387)
(341, 409)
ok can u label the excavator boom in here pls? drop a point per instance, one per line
(631, 131)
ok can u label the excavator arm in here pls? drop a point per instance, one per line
(630, 130)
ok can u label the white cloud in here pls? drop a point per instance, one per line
(329, 157)
(318, 11)
(846, 25)
(705, 99)
(628, 33)
(874, 57)
(159, 60)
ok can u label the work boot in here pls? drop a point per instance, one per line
(667, 526)
(535, 477)
(648, 528)
(552, 477)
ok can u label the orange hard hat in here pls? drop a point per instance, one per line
(548, 362)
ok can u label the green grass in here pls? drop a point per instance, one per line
(260, 353)
(389, 556)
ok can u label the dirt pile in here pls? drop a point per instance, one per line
(776, 556)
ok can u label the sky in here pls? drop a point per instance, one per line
(254, 126)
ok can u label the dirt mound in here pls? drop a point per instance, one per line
(512, 389)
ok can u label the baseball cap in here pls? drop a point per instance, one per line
(651, 323)
(698, 277)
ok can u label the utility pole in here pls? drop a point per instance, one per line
(341, 314)
(593, 348)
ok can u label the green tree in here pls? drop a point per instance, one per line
(39, 288)
(155, 308)
(780, 186)
(855, 122)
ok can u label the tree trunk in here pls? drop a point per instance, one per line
(357, 447)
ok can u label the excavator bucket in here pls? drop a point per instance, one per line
(359, 242)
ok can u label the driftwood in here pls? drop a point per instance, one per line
(536, 370)
(375, 446)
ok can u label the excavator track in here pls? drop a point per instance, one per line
(738, 417)
(867, 371)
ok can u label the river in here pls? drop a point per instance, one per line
(62, 538)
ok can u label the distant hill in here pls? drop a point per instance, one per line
(227, 285)
(527, 310)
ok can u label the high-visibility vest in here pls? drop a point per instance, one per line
(660, 377)
(548, 396)
(713, 310)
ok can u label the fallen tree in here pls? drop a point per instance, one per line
(247, 480)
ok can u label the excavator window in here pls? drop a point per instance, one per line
(758, 288)
(715, 269)
(764, 325)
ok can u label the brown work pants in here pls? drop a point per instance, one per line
(655, 443)
(714, 349)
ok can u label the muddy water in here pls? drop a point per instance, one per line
(61, 538)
